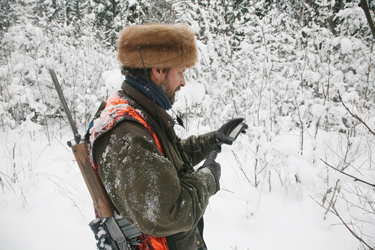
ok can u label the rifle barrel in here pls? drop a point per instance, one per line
(77, 136)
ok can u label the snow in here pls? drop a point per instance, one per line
(346, 46)
(273, 221)
(190, 95)
(49, 207)
(273, 182)
(112, 80)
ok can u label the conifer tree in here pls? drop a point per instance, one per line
(8, 16)
(105, 13)
(161, 11)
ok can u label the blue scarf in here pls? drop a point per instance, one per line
(155, 93)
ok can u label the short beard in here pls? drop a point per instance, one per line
(168, 92)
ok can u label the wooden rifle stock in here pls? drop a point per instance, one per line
(99, 195)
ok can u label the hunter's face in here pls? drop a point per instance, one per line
(173, 81)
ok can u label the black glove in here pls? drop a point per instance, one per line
(214, 167)
(222, 134)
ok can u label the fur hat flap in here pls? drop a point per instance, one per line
(162, 45)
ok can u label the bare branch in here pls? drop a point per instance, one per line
(332, 200)
(366, 9)
(334, 211)
(355, 178)
(350, 230)
(356, 116)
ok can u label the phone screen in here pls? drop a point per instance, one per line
(236, 131)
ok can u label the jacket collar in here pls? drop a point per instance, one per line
(151, 91)
(148, 106)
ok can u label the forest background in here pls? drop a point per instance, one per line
(296, 69)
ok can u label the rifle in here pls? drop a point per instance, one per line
(121, 232)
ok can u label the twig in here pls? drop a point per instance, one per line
(373, 209)
(255, 167)
(350, 230)
(239, 164)
(334, 211)
(63, 187)
(2, 183)
(344, 161)
(7, 178)
(23, 198)
(14, 164)
(355, 178)
(269, 181)
(368, 75)
(263, 168)
(362, 208)
(365, 8)
(332, 202)
(356, 116)
(227, 190)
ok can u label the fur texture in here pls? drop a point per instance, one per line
(162, 45)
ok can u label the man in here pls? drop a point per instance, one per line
(146, 169)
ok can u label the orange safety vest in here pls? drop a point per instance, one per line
(116, 110)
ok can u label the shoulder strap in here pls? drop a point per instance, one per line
(171, 242)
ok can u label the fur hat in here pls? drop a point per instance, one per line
(162, 45)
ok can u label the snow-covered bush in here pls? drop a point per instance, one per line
(285, 75)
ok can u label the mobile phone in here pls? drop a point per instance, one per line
(236, 131)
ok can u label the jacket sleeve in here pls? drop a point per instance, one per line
(199, 147)
(144, 185)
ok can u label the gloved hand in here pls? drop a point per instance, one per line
(222, 134)
(214, 167)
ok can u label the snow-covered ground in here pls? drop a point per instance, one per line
(44, 203)
(48, 206)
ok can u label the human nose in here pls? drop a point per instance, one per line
(182, 81)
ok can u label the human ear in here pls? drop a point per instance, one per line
(156, 72)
